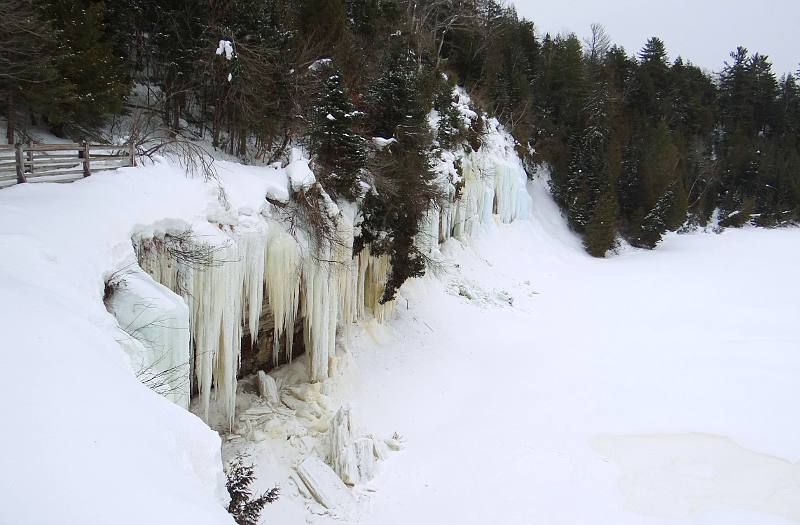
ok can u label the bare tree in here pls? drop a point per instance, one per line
(597, 44)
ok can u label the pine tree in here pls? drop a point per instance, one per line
(339, 151)
(27, 75)
(601, 231)
(404, 188)
(93, 79)
(450, 130)
(245, 509)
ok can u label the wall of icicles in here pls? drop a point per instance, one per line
(258, 285)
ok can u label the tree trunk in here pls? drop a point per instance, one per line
(12, 120)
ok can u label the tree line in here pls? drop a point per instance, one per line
(636, 145)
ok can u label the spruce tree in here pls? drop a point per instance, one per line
(450, 130)
(654, 224)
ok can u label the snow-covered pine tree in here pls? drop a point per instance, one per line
(338, 149)
(450, 131)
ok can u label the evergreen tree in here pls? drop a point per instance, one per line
(450, 130)
(652, 80)
(27, 75)
(654, 224)
(94, 79)
(601, 229)
(245, 509)
(323, 23)
(339, 151)
(404, 190)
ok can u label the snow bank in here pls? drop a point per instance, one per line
(107, 448)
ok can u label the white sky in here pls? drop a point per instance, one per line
(703, 31)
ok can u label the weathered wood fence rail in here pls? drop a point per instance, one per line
(22, 163)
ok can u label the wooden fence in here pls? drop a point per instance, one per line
(60, 162)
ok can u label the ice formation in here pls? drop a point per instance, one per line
(324, 485)
(282, 277)
(327, 288)
(351, 456)
(493, 183)
(156, 337)
(259, 261)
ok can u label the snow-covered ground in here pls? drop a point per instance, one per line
(530, 383)
(533, 384)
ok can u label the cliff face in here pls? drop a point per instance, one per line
(148, 276)
(267, 287)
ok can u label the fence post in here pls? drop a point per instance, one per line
(20, 164)
(87, 170)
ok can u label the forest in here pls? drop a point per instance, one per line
(636, 144)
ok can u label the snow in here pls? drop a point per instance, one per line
(532, 383)
(225, 47)
(300, 174)
(381, 142)
(105, 447)
(319, 64)
(645, 388)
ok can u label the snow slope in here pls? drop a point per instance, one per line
(644, 389)
(83, 440)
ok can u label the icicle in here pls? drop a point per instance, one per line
(428, 237)
(282, 273)
(373, 272)
(228, 352)
(317, 306)
(254, 279)
(216, 295)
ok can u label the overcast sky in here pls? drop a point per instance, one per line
(703, 31)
